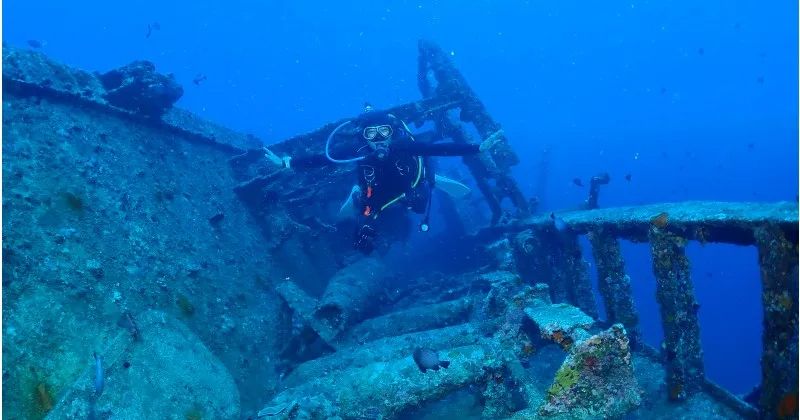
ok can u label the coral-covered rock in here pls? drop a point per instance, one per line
(596, 380)
(138, 88)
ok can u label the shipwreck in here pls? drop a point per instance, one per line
(215, 285)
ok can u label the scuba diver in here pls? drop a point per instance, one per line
(394, 172)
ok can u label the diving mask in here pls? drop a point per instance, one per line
(378, 138)
(379, 132)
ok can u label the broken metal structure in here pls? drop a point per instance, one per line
(540, 277)
(547, 255)
(669, 228)
(448, 103)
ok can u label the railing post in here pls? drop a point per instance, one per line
(535, 256)
(615, 285)
(573, 271)
(546, 256)
(777, 258)
(678, 305)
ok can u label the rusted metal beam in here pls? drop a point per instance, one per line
(615, 285)
(475, 165)
(675, 295)
(451, 83)
(572, 270)
(555, 258)
(777, 257)
(534, 261)
(703, 221)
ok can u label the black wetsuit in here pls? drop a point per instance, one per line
(402, 177)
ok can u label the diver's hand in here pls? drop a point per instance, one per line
(283, 162)
(491, 141)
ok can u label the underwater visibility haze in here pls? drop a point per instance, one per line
(400, 209)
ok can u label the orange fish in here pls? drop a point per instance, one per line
(660, 221)
(788, 406)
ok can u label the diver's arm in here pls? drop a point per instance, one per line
(437, 149)
(309, 161)
(449, 149)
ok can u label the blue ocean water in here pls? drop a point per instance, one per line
(693, 100)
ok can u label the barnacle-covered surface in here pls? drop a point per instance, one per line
(212, 285)
(703, 221)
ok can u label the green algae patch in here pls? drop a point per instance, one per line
(566, 378)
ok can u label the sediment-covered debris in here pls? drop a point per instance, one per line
(378, 389)
(560, 322)
(419, 318)
(351, 295)
(169, 373)
(34, 71)
(139, 88)
(381, 350)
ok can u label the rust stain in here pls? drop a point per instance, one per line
(661, 220)
(788, 406)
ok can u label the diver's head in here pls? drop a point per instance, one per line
(380, 129)
(378, 138)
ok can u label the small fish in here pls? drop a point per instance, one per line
(577, 181)
(35, 43)
(99, 379)
(601, 179)
(428, 359)
(559, 223)
(701, 51)
(760, 80)
(155, 26)
(663, 91)
(660, 221)
(199, 78)
(628, 177)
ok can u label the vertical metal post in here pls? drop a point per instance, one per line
(573, 271)
(675, 294)
(777, 258)
(615, 285)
